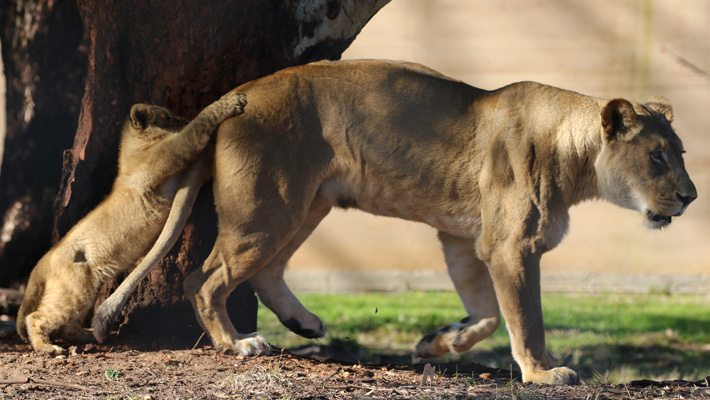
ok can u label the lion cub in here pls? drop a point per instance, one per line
(156, 147)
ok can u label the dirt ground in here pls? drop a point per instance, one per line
(120, 372)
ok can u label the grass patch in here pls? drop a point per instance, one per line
(611, 338)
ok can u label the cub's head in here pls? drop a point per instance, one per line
(149, 120)
(640, 165)
(146, 125)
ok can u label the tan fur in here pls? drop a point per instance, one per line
(155, 148)
(180, 210)
(494, 171)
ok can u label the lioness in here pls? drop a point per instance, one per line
(156, 147)
(494, 171)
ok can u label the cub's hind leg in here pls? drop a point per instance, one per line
(269, 283)
(475, 288)
(61, 313)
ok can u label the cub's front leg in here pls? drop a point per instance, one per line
(179, 150)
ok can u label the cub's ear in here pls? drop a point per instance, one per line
(619, 121)
(662, 106)
(141, 115)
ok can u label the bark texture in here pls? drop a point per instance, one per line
(183, 54)
(44, 54)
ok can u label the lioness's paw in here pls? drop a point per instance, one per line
(248, 346)
(433, 345)
(554, 376)
(312, 329)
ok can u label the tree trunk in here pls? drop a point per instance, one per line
(183, 54)
(44, 54)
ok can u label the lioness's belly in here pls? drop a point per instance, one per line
(455, 216)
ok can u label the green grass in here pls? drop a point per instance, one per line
(612, 338)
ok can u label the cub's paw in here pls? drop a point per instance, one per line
(232, 103)
(554, 376)
(77, 334)
(49, 349)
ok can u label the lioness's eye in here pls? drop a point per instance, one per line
(657, 156)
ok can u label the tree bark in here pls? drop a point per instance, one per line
(44, 54)
(183, 54)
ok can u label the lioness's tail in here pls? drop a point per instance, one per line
(184, 199)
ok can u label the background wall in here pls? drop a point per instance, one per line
(604, 48)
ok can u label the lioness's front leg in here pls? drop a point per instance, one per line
(516, 278)
(475, 288)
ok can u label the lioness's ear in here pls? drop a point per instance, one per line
(140, 116)
(661, 105)
(619, 120)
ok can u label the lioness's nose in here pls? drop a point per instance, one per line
(686, 199)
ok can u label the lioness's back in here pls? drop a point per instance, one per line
(358, 122)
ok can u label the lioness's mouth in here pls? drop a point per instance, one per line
(664, 219)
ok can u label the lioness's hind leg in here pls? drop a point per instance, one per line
(261, 203)
(475, 288)
(208, 288)
(240, 251)
(269, 283)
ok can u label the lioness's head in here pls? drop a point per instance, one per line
(640, 165)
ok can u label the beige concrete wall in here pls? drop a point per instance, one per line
(604, 48)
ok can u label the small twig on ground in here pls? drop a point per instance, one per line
(48, 383)
(363, 388)
(15, 381)
(329, 378)
(66, 385)
(198, 341)
(428, 375)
